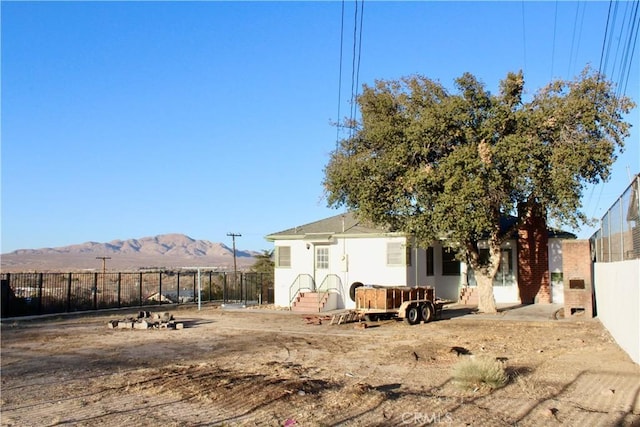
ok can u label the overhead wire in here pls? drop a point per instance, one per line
(353, 70)
(604, 42)
(339, 120)
(359, 49)
(630, 46)
(524, 42)
(573, 53)
(553, 46)
(619, 40)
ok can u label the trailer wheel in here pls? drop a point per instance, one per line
(413, 315)
(371, 317)
(427, 312)
(352, 290)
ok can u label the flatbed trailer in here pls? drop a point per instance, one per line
(413, 304)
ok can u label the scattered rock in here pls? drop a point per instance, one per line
(146, 320)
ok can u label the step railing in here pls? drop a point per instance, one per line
(329, 283)
(301, 282)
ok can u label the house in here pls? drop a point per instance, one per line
(332, 256)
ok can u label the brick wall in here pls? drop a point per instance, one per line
(533, 259)
(576, 268)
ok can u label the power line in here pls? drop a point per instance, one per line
(553, 46)
(338, 124)
(573, 38)
(353, 69)
(604, 42)
(359, 49)
(524, 41)
(629, 49)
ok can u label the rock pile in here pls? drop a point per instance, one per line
(147, 320)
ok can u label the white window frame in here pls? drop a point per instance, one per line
(283, 256)
(397, 254)
(322, 257)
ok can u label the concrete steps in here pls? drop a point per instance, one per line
(310, 302)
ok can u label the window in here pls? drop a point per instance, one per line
(450, 265)
(504, 276)
(430, 271)
(396, 253)
(283, 256)
(322, 257)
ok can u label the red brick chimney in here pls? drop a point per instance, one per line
(533, 256)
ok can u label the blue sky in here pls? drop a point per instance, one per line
(132, 119)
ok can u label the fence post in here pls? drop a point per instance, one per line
(69, 292)
(95, 291)
(195, 287)
(210, 278)
(40, 283)
(178, 288)
(160, 288)
(242, 277)
(140, 289)
(224, 287)
(119, 288)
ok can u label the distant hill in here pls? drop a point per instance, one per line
(163, 251)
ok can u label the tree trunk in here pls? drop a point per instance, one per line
(486, 300)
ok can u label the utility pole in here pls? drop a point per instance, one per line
(104, 263)
(235, 267)
(104, 268)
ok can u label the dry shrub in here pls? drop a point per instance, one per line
(479, 372)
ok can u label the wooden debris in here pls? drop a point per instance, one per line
(315, 320)
(348, 317)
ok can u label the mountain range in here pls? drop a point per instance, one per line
(157, 252)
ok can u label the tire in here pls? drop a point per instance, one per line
(427, 312)
(352, 290)
(412, 316)
(371, 317)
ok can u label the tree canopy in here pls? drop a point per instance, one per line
(263, 262)
(447, 166)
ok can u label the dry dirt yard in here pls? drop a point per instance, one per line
(272, 368)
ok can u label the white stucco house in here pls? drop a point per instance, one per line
(330, 255)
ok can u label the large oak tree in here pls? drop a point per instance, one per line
(447, 166)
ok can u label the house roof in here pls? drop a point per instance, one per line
(507, 222)
(342, 224)
(348, 224)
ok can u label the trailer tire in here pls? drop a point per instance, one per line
(352, 290)
(427, 312)
(412, 316)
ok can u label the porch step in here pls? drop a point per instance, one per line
(469, 296)
(310, 302)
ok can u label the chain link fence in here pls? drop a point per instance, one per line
(619, 236)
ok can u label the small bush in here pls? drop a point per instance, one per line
(480, 372)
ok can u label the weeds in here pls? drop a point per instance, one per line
(480, 373)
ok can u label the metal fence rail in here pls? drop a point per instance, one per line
(619, 236)
(25, 294)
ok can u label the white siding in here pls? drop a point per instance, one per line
(351, 260)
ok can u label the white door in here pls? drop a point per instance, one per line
(321, 264)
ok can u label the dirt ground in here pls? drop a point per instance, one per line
(274, 368)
